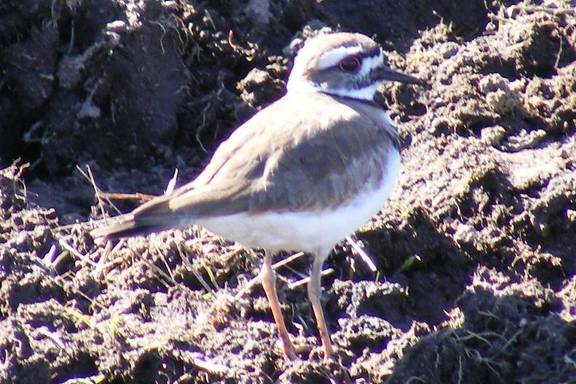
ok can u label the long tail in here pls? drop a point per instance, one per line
(153, 216)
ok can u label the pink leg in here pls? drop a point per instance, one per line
(269, 283)
(314, 292)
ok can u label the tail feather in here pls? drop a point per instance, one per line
(154, 216)
(125, 227)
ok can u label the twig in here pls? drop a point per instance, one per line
(210, 19)
(97, 191)
(209, 366)
(163, 258)
(204, 364)
(163, 277)
(192, 268)
(138, 196)
(305, 280)
(171, 183)
(142, 197)
(69, 248)
(256, 280)
(287, 260)
(363, 255)
(56, 339)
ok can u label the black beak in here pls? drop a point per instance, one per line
(386, 74)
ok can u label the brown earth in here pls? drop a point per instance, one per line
(476, 250)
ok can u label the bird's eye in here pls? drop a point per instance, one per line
(350, 64)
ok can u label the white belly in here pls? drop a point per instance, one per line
(307, 231)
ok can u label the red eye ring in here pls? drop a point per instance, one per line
(350, 64)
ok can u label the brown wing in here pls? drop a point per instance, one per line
(291, 160)
(283, 159)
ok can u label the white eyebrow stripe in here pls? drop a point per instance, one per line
(333, 56)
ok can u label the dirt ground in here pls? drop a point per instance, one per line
(476, 249)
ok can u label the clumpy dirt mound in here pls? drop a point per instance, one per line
(498, 329)
(123, 83)
(476, 278)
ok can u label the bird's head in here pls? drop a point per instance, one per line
(342, 64)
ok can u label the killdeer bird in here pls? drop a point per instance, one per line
(302, 174)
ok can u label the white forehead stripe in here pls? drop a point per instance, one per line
(333, 56)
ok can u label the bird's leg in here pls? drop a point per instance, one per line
(269, 283)
(314, 292)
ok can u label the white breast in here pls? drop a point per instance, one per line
(306, 230)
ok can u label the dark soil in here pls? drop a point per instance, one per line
(476, 250)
